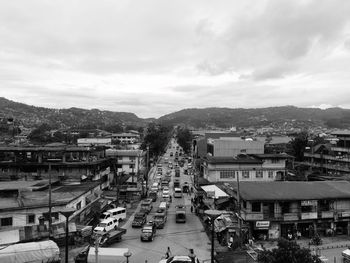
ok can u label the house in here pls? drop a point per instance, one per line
(272, 209)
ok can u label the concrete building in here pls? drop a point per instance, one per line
(26, 203)
(94, 141)
(329, 159)
(126, 137)
(62, 162)
(233, 146)
(128, 161)
(272, 209)
(258, 167)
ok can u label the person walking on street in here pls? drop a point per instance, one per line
(168, 253)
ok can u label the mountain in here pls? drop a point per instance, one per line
(226, 117)
(31, 116)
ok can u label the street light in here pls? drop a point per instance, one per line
(127, 255)
(67, 213)
(213, 214)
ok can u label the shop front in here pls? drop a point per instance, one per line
(260, 230)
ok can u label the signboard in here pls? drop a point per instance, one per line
(309, 203)
(345, 214)
(262, 224)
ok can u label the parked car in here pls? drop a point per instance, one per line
(139, 219)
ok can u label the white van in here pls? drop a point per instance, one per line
(107, 225)
(118, 213)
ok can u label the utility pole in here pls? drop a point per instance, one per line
(239, 210)
(50, 204)
(147, 168)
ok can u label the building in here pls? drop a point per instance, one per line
(26, 204)
(233, 146)
(128, 161)
(255, 167)
(60, 161)
(272, 209)
(126, 137)
(94, 141)
(329, 159)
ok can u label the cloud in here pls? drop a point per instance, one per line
(153, 57)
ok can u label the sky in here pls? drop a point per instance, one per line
(154, 57)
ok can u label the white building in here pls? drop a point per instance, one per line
(128, 161)
(94, 141)
(126, 137)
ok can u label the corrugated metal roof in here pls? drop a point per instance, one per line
(294, 190)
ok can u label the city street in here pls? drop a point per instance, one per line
(179, 237)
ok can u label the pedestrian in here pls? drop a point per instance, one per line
(230, 242)
(168, 253)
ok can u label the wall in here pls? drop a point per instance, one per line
(230, 147)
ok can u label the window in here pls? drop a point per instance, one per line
(259, 174)
(270, 174)
(245, 174)
(131, 166)
(244, 204)
(78, 205)
(6, 221)
(132, 158)
(274, 161)
(243, 150)
(285, 207)
(256, 207)
(120, 158)
(53, 215)
(31, 219)
(227, 174)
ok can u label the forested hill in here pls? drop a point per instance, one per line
(227, 117)
(32, 116)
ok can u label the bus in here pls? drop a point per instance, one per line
(177, 193)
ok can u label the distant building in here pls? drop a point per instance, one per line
(126, 137)
(94, 141)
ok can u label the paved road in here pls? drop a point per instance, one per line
(179, 237)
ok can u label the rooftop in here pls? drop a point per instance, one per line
(60, 195)
(296, 190)
(239, 159)
(343, 132)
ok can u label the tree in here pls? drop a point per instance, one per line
(288, 252)
(157, 137)
(184, 139)
(298, 145)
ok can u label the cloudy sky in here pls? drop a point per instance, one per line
(153, 57)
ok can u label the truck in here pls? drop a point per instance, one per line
(180, 213)
(36, 252)
(139, 219)
(105, 255)
(160, 219)
(148, 232)
(108, 238)
(146, 205)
